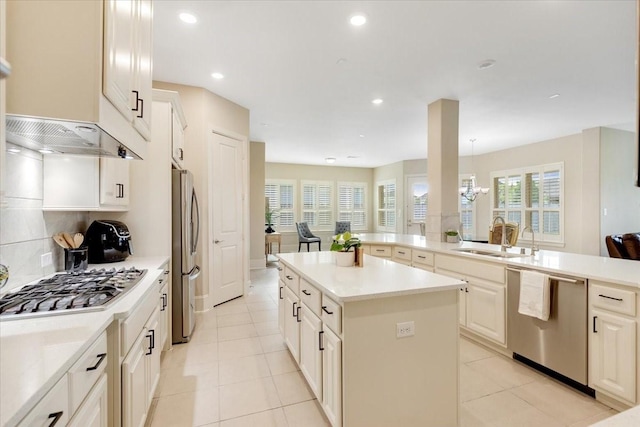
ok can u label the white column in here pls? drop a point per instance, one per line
(442, 169)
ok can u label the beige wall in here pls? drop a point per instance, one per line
(256, 203)
(317, 173)
(618, 193)
(206, 111)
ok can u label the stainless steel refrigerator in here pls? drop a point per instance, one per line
(185, 218)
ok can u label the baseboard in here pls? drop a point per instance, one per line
(257, 264)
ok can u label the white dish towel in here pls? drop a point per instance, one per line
(535, 294)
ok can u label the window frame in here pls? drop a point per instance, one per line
(317, 210)
(353, 185)
(467, 234)
(387, 210)
(283, 182)
(523, 209)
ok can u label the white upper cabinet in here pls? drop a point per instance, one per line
(114, 182)
(171, 124)
(127, 60)
(81, 183)
(92, 67)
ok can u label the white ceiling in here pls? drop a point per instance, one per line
(282, 61)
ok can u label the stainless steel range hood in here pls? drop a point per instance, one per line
(54, 136)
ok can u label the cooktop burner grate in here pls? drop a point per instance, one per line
(70, 292)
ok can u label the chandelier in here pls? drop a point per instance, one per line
(472, 189)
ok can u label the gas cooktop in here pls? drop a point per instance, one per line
(64, 293)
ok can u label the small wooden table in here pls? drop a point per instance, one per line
(269, 239)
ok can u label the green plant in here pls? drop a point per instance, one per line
(270, 215)
(451, 233)
(344, 242)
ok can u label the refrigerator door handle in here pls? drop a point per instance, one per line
(194, 237)
(194, 273)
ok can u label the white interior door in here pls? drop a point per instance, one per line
(416, 198)
(226, 201)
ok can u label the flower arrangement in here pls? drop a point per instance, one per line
(344, 242)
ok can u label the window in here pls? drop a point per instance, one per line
(467, 212)
(280, 194)
(352, 204)
(531, 197)
(386, 206)
(317, 205)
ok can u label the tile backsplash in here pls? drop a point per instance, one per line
(25, 229)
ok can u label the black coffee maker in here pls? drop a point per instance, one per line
(108, 241)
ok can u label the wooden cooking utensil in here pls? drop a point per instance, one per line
(60, 241)
(78, 238)
(67, 237)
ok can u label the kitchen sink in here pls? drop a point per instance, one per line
(494, 254)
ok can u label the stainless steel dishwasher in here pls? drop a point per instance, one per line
(558, 346)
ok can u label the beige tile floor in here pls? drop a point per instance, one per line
(236, 371)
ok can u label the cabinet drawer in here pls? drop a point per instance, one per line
(422, 257)
(381, 250)
(402, 253)
(292, 280)
(332, 314)
(613, 299)
(84, 374)
(54, 405)
(311, 296)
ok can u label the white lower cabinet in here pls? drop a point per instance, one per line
(93, 412)
(140, 375)
(281, 309)
(81, 394)
(332, 377)
(292, 323)
(52, 410)
(482, 303)
(310, 350)
(134, 385)
(317, 349)
(164, 322)
(612, 354)
(485, 313)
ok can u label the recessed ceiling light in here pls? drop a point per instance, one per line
(13, 150)
(555, 95)
(217, 76)
(487, 63)
(361, 136)
(330, 159)
(45, 151)
(358, 20)
(377, 101)
(188, 18)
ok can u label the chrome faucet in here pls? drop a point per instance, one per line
(533, 239)
(503, 240)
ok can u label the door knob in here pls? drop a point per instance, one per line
(218, 241)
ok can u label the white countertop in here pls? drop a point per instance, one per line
(378, 278)
(35, 353)
(613, 270)
(628, 418)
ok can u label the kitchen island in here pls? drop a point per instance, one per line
(378, 345)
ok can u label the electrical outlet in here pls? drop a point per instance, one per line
(405, 329)
(46, 259)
